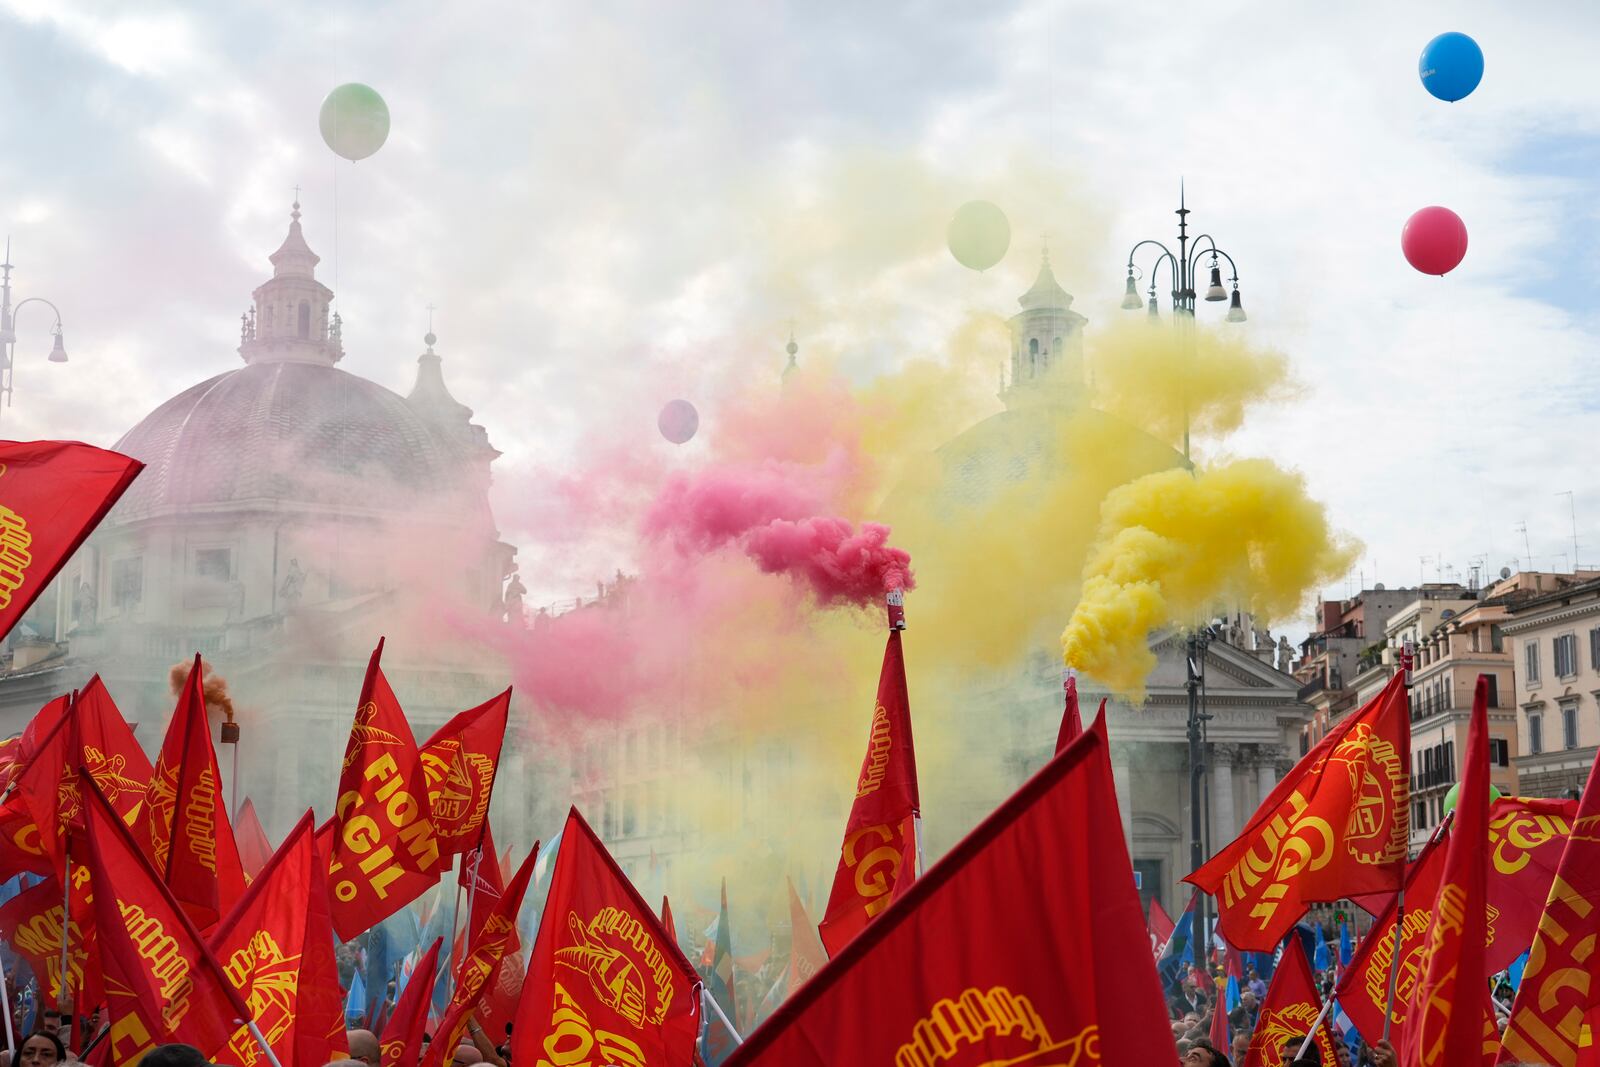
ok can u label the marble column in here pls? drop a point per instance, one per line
(1121, 778)
(1266, 775)
(1223, 825)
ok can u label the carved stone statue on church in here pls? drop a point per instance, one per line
(512, 604)
(1285, 654)
(292, 586)
(85, 605)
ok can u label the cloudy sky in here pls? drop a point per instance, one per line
(586, 192)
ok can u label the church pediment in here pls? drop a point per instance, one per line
(1226, 667)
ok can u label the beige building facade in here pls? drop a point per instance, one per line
(1555, 645)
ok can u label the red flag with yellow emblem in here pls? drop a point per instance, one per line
(1527, 836)
(1290, 1009)
(878, 860)
(1338, 825)
(261, 945)
(493, 939)
(52, 496)
(402, 1035)
(605, 982)
(1559, 998)
(30, 923)
(162, 983)
(385, 851)
(1023, 945)
(1456, 1027)
(460, 761)
(32, 778)
(186, 817)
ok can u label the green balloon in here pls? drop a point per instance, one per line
(979, 235)
(354, 120)
(1450, 797)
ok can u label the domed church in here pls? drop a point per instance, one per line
(289, 514)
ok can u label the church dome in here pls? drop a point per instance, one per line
(286, 431)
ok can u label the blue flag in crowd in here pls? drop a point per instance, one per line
(1321, 960)
(355, 1005)
(1232, 998)
(1179, 950)
(1347, 951)
(1514, 973)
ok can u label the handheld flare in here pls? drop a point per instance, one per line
(896, 602)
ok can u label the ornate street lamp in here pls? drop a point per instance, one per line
(8, 329)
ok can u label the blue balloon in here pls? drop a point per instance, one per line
(1451, 66)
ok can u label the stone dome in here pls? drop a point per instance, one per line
(287, 431)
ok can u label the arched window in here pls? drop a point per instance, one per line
(1055, 345)
(305, 320)
(1033, 346)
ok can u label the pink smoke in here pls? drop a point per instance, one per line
(840, 564)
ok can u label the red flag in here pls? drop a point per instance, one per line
(666, 920)
(1452, 999)
(162, 983)
(493, 940)
(499, 1005)
(261, 945)
(255, 848)
(1012, 949)
(1161, 927)
(385, 851)
(1559, 997)
(402, 1037)
(31, 778)
(319, 1032)
(1527, 836)
(1337, 825)
(186, 816)
(1287, 1014)
(459, 762)
(604, 975)
(480, 879)
(1363, 990)
(878, 860)
(31, 923)
(806, 954)
(52, 495)
(1071, 721)
(1219, 1020)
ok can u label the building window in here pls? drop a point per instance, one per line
(1594, 649)
(1530, 654)
(1497, 639)
(1535, 734)
(1449, 761)
(1494, 689)
(213, 563)
(1499, 752)
(1566, 655)
(303, 327)
(1422, 815)
(1569, 725)
(127, 582)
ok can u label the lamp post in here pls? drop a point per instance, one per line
(1183, 268)
(8, 329)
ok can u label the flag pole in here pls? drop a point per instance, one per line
(1394, 964)
(266, 1049)
(5, 1006)
(1312, 1036)
(66, 924)
(705, 995)
(455, 919)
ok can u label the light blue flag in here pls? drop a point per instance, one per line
(1347, 949)
(1322, 960)
(355, 1005)
(1516, 969)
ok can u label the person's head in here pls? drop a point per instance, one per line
(41, 1050)
(1203, 1053)
(1241, 1045)
(1190, 1020)
(175, 1056)
(468, 1053)
(364, 1046)
(1341, 1053)
(52, 1021)
(1291, 1049)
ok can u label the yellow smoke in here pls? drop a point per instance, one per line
(1173, 546)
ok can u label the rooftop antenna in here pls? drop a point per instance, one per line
(1572, 507)
(1422, 578)
(1527, 549)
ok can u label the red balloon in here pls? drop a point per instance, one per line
(1434, 240)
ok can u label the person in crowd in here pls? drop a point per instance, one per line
(1241, 1045)
(364, 1047)
(175, 1056)
(1187, 1000)
(1384, 1055)
(1203, 1053)
(1243, 1016)
(466, 1053)
(1292, 1058)
(1256, 985)
(42, 1049)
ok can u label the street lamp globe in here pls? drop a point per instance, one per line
(1235, 309)
(1130, 296)
(58, 352)
(1215, 291)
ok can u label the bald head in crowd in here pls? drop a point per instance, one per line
(364, 1047)
(468, 1054)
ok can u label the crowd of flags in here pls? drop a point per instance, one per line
(132, 888)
